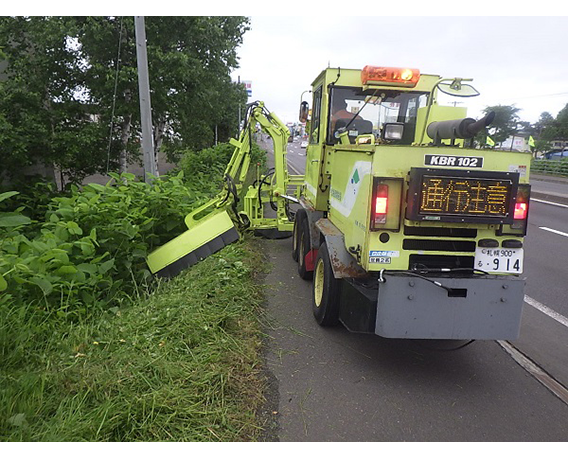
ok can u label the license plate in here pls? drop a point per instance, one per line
(501, 260)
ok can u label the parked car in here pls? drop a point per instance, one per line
(558, 155)
(304, 144)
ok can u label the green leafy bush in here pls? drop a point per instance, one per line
(548, 167)
(211, 162)
(90, 250)
(33, 197)
(14, 218)
(87, 356)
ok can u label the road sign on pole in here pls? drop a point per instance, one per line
(248, 86)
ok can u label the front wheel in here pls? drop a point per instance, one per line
(326, 290)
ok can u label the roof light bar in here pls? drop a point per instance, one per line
(390, 76)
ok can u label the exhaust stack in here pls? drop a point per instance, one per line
(458, 128)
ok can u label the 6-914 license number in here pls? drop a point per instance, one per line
(499, 260)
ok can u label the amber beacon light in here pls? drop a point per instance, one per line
(390, 75)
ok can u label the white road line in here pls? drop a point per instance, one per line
(554, 231)
(294, 169)
(556, 204)
(547, 311)
(553, 385)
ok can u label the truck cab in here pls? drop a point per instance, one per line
(406, 228)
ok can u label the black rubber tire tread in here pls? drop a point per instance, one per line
(300, 214)
(304, 247)
(327, 314)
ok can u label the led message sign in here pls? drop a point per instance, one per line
(455, 196)
(462, 196)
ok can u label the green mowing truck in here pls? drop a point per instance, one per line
(406, 230)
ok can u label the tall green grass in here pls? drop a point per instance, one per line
(181, 365)
(91, 349)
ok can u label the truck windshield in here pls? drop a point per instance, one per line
(365, 112)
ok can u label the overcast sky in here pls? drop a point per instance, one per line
(516, 51)
(521, 61)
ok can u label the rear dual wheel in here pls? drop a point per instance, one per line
(295, 241)
(326, 290)
(302, 244)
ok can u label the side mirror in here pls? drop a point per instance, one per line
(457, 88)
(304, 111)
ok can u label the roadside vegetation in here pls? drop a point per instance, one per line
(548, 167)
(69, 85)
(93, 348)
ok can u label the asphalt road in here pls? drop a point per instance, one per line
(544, 333)
(332, 385)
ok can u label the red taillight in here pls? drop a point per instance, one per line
(519, 224)
(386, 204)
(522, 202)
(381, 204)
(521, 209)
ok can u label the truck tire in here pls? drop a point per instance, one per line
(300, 214)
(326, 290)
(304, 248)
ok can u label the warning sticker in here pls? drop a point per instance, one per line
(379, 253)
(379, 260)
(382, 256)
(520, 169)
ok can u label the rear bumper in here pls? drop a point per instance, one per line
(409, 307)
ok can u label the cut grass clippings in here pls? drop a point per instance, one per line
(183, 364)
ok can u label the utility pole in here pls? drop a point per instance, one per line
(239, 83)
(145, 106)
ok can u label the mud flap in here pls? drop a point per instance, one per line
(208, 236)
(486, 308)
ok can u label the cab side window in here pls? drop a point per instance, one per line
(316, 116)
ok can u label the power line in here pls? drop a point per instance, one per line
(546, 95)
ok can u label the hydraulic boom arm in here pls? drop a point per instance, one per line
(210, 226)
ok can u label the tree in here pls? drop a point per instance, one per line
(72, 93)
(42, 117)
(545, 120)
(506, 122)
(561, 123)
(550, 128)
(190, 61)
(545, 131)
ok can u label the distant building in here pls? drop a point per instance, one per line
(559, 144)
(48, 172)
(516, 143)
